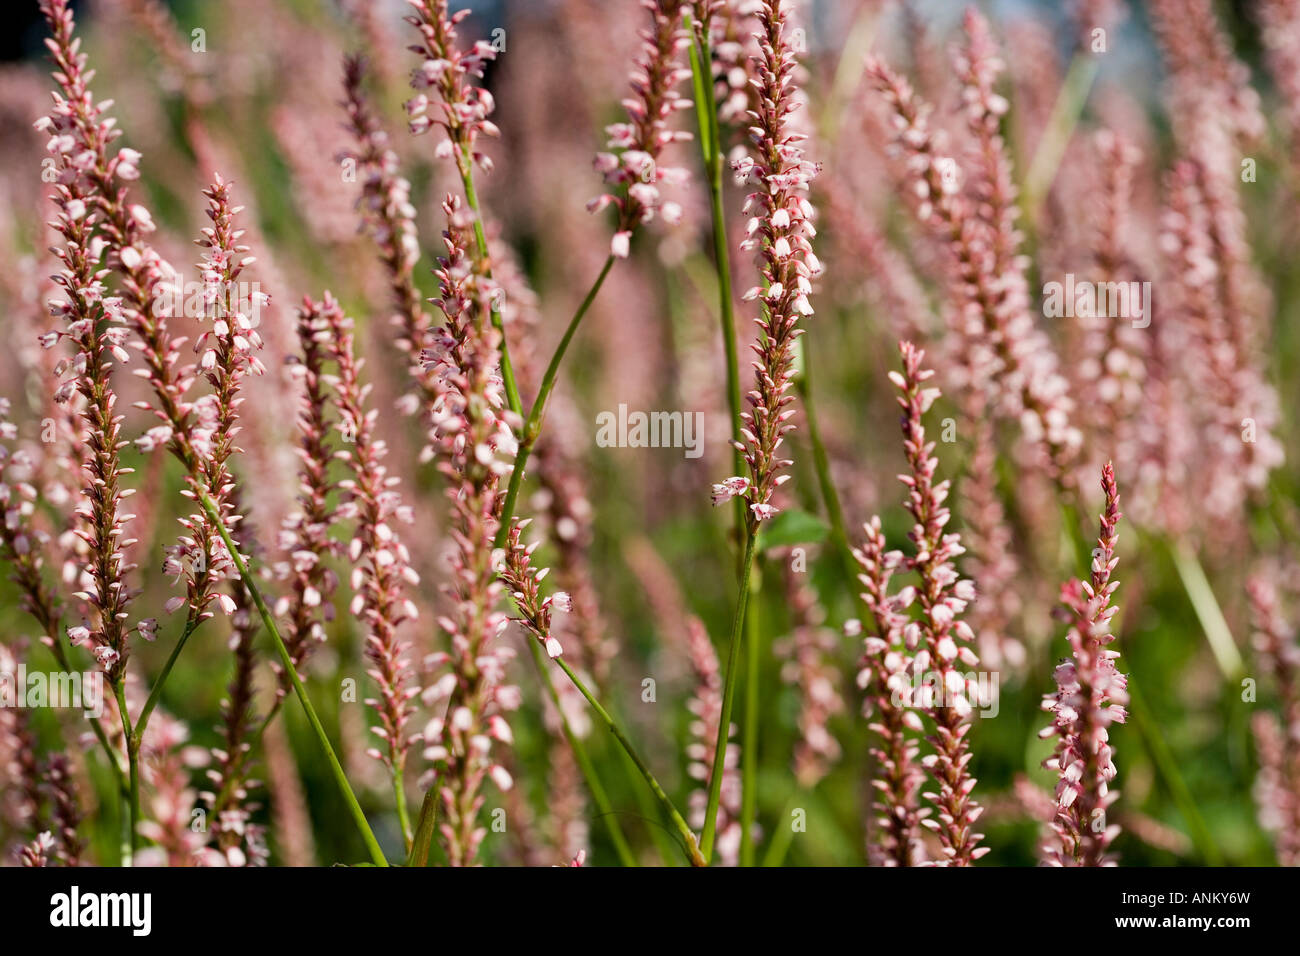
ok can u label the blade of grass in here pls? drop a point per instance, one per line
(1207, 609)
(728, 696)
(689, 845)
(588, 769)
(336, 769)
(533, 426)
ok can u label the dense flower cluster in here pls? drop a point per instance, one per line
(295, 446)
(1089, 699)
(780, 231)
(937, 642)
(641, 140)
(461, 108)
(1009, 356)
(381, 563)
(474, 444)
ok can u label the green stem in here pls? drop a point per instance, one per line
(706, 112)
(1060, 127)
(783, 835)
(533, 427)
(480, 240)
(424, 827)
(1208, 612)
(822, 465)
(1168, 767)
(584, 763)
(728, 696)
(133, 770)
(403, 816)
(749, 743)
(692, 852)
(154, 695)
(340, 778)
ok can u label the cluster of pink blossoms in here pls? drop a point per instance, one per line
(475, 446)
(459, 107)
(640, 141)
(1089, 698)
(779, 231)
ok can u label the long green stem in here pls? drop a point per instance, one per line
(156, 693)
(1208, 612)
(584, 763)
(706, 112)
(749, 740)
(340, 778)
(133, 771)
(728, 696)
(1168, 767)
(533, 426)
(424, 827)
(692, 852)
(134, 734)
(466, 169)
(1060, 127)
(701, 56)
(783, 835)
(403, 816)
(822, 465)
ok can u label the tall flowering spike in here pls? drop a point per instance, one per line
(165, 767)
(1210, 359)
(21, 543)
(1010, 357)
(730, 27)
(1110, 368)
(888, 665)
(780, 231)
(388, 217)
(21, 796)
(447, 74)
(1090, 697)
(475, 445)
(637, 145)
(524, 581)
(569, 516)
(381, 563)
(1216, 116)
(228, 350)
(65, 809)
(945, 692)
(92, 325)
(992, 562)
(706, 708)
(80, 137)
(305, 534)
(1279, 22)
(1209, 85)
(1277, 789)
(227, 355)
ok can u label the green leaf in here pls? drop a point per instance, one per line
(792, 527)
